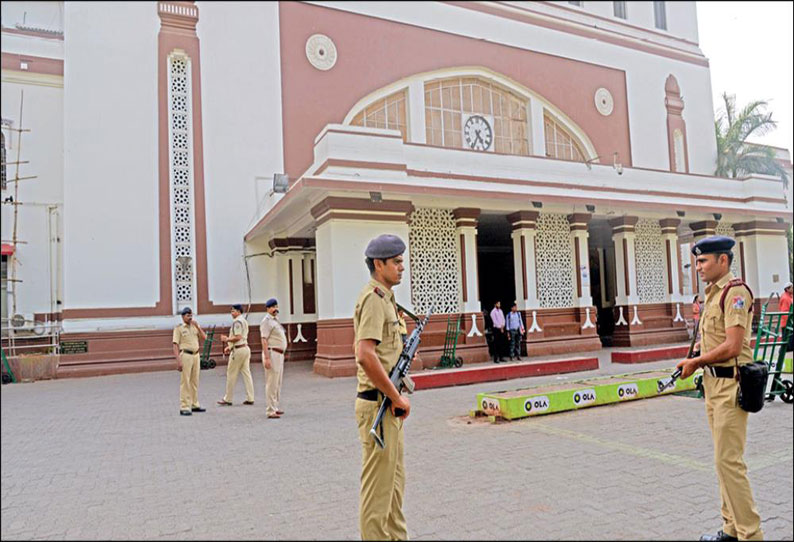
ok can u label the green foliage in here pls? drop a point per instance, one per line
(735, 156)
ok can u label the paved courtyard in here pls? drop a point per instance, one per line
(110, 458)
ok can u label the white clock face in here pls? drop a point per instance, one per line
(477, 133)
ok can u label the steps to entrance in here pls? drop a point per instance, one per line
(650, 354)
(548, 399)
(670, 351)
(494, 372)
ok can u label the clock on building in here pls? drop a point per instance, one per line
(477, 133)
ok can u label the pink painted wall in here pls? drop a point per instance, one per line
(373, 53)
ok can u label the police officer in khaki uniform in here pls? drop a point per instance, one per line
(274, 345)
(186, 351)
(239, 358)
(725, 344)
(377, 348)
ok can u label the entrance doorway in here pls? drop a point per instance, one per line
(603, 288)
(495, 262)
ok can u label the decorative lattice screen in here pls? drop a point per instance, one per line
(434, 261)
(180, 160)
(556, 280)
(651, 261)
(723, 228)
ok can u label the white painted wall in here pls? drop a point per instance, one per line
(110, 155)
(645, 72)
(341, 271)
(38, 258)
(241, 97)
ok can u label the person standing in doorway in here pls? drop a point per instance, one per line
(499, 337)
(515, 328)
(186, 351)
(239, 358)
(274, 346)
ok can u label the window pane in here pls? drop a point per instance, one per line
(660, 15)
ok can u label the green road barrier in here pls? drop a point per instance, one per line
(548, 399)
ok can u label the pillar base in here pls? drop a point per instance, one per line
(657, 326)
(335, 356)
(561, 331)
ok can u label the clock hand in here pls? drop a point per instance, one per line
(478, 138)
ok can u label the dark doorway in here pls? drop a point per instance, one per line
(602, 278)
(495, 262)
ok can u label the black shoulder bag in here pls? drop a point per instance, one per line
(752, 376)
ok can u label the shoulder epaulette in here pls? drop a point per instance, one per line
(379, 292)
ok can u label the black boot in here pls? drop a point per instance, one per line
(719, 537)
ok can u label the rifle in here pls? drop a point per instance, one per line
(399, 377)
(665, 383)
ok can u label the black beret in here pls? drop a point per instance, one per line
(186, 310)
(385, 246)
(271, 302)
(713, 244)
(238, 307)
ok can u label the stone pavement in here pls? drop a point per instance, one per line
(110, 458)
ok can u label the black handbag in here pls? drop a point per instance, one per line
(752, 385)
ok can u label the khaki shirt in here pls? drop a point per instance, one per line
(239, 327)
(713, 321)
(375, 317)
(186, 337)
(273, 332)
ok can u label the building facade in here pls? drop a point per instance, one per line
(559, 154)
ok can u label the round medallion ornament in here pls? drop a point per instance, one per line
(321, 52)
(604, 102)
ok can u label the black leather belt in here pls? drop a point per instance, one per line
(279, 350)
(239, 346)
(369, 395)
(187, 352)
(720, 372)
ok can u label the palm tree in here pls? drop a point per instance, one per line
(735, 156)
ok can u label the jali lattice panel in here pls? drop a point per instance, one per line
(434, 261)
(555, 273)
(650, 261)
(723, 228)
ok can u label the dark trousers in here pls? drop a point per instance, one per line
(515, 343)
(499, 343)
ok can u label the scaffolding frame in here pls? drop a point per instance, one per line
(19, 335)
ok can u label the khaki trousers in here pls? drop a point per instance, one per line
(273, 377)
(189, 381)
(382, 476)
(728, 423)
(239, 362)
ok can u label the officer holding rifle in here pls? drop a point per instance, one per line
(378, 344)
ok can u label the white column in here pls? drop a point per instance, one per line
(538, 131)
(625, 268)
(466, 238)
(579, 237)
(295, 313)
(524, 232)
(765, 256)
(416, 110)
(340, 259)
(670, 240)
(701, 230)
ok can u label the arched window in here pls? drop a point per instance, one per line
(449, 101)
(388, 113)
(559, 143)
